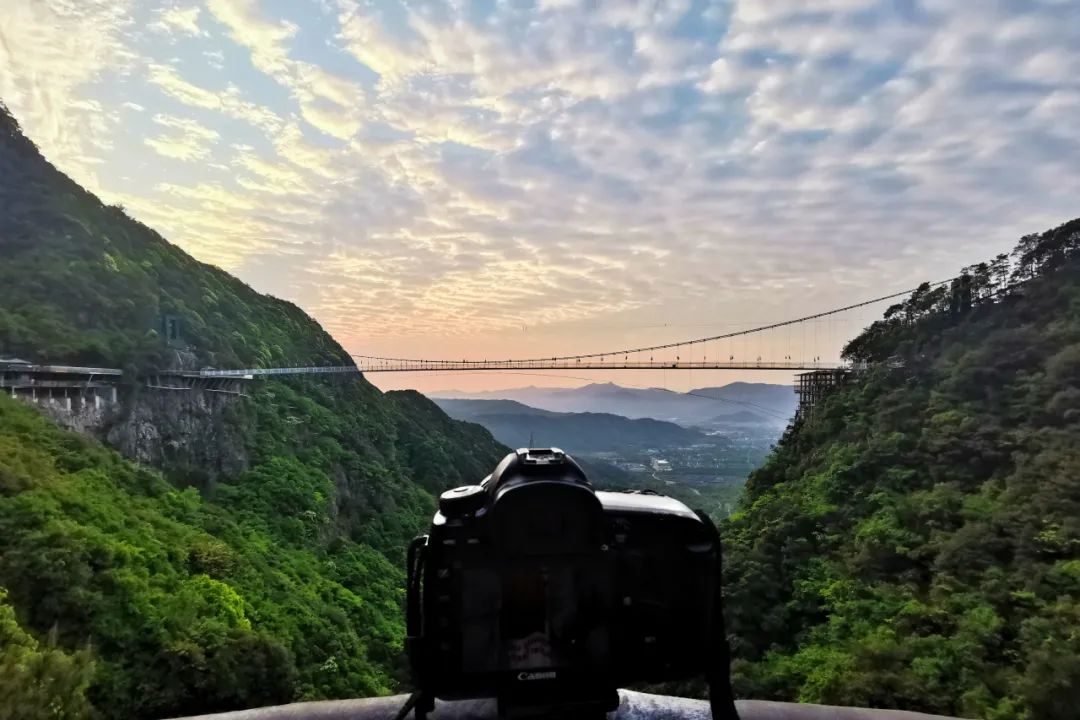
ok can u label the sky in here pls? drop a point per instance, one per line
(517, 178)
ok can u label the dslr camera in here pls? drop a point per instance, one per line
(537, 590)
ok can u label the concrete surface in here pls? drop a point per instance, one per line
(633, 706)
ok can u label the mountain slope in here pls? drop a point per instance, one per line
(181, 604)
(441, 451)
(91, 285)
(916, 543)
(473, 408)
(274, 576)
(763, 397)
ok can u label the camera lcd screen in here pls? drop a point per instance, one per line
(535, 615)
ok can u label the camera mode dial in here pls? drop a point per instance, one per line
(463, 500)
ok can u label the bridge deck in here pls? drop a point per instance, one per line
(17, 368)
(37, 374)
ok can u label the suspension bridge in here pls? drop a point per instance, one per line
(703, 353)
(376, 365)
(71, 388)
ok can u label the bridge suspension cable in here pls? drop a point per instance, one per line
(664, 346)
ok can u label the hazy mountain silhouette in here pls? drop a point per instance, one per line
(737, 402)
(515, 424)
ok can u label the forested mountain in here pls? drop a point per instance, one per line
(472, 406)
(144, 592)
(87, 284)
(741, 398)
(915, 542)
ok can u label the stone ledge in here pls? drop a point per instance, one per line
(634, 706)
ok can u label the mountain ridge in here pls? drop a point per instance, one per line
(771, 404)
(513, 424)
(93, 285)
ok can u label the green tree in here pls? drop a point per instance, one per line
(40, 682)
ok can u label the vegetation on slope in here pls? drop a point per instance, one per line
(185, 604)
(442, 452)
(150, 595)
(278, 584)
(916, 543)
(39, 681)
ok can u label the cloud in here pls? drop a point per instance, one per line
(211, 196)
(327, 100)
(248, 28)
(179, 20)
(417, 170)
(47, 89)
(392, 58)
(215, 59)
(185, 140)
(228, 102)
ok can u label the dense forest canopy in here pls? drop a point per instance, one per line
(915, 542)
(129, 592)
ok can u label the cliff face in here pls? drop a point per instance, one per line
(193, 434)
(190, 434)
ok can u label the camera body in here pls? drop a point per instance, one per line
(537, 590)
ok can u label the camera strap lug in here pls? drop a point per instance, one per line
(419, 701)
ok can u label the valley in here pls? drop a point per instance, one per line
(710, 408)
(704, 466)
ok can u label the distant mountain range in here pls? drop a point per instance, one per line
(708, 408)
(518, 425)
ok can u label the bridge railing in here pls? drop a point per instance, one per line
(29, 369)
(557, 364)
(259, 372)
(378, 366)
(390, 365)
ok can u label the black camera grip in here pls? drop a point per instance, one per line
(414, 572)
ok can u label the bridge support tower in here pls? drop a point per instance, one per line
(813, 387)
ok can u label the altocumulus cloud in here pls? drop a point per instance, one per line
(420, 168)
